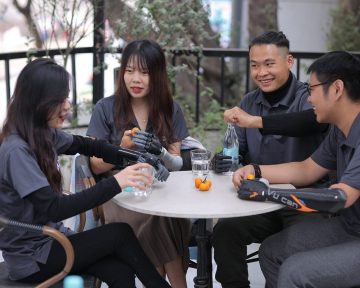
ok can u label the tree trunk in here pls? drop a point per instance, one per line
(350, 5)
(262, 17)
(26, 11)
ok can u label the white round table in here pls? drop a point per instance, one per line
(178, 197)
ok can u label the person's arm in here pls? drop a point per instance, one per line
(351, 193)
(101, 149)
(294, 124)
(150, 143)
(49, 205)
(297, 173)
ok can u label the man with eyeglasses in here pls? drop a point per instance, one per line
(325, 252)
(278, 92)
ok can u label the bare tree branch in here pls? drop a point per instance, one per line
(26, 11)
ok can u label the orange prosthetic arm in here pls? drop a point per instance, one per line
(305, 200)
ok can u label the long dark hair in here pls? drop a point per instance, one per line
(150, 57)
(41, 87)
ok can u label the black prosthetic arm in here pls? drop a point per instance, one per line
(221, 163)
(115, 155)
(149, 142)
(305, 200)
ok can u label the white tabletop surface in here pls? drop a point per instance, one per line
(178, 197)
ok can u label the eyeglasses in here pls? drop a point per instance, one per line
(309, 87)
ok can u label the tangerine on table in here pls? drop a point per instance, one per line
(205, 185)
(197, 182)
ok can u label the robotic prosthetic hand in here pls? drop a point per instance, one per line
(115, 155)
(221, 163)
(305, 200)
(150, 143)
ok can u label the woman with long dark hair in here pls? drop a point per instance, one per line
(30, 189)
(143, 100)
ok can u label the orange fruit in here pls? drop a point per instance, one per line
(205, 185)
(250, 177)
(197, 182)
(134, 130)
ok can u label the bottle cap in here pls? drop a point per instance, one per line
(73, 281)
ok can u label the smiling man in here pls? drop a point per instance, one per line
(278, 92)
(326, 252)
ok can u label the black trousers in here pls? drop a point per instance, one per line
(231, 236)
(111, 252)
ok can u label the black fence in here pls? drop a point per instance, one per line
(222, 54)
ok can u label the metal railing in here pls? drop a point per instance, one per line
(222, 54)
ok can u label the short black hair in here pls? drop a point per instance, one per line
(271, 37)
(339, 65)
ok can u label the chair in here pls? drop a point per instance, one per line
(61, 238)
(82, 178)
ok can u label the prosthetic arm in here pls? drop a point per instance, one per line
(114, 154)
(150, 143)
(221, 163)
(305, 200)
(119, 153)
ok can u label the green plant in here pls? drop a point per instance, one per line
(210, 130)
(345, 30)
(171, 23)
(213, 118)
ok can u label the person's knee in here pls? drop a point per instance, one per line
(268, 252)
(292, 273)
(122, 229)
(227, 231)
(270, 248)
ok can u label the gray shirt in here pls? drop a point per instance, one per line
(343, 154)
(20, 175)
(274, 149)
(102, 122)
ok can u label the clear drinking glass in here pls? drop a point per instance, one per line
(200, 161)
(145, 193)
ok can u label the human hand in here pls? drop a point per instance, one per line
(131, 176)
(241, 174)
(149, 142)
(241, 118)
(222, 163)
(161, 172)
(126, 141)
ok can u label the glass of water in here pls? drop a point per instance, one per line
(200, 161)
(145, 193)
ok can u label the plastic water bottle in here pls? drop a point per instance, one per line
(231, 147)
(73, 281)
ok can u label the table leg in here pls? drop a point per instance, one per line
(203, 277)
